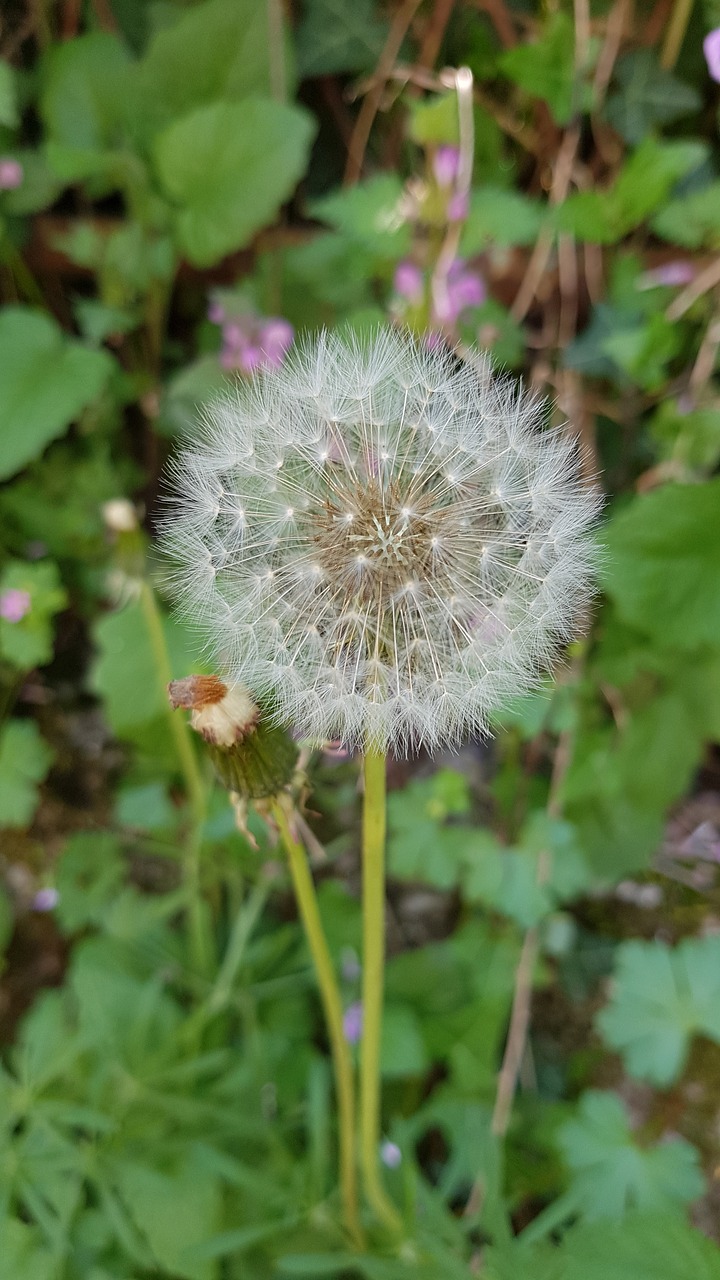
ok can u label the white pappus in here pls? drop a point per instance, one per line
(381, 540)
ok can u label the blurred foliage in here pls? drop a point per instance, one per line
(169, 170)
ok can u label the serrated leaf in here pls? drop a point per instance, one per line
(227, 168)
(339, 36)
(500, 217)
(662, 996)
(693, 220)
(546, 68)
(611, 1173)
(90, 873)
(663, 564)
(646, 96)
(217, 50)
(46, 380)
(28, 642)
(25, 760)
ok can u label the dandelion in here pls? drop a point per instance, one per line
(381, 541)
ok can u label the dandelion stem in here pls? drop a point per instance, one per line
(373, 854)
(332, 1005)
(194, 785)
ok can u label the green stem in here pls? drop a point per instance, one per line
(194, 785)
(332, 1005)
(373, 903)
(675, 33)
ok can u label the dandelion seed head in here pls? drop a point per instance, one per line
(418, 558)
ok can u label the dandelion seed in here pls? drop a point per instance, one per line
(436, 560)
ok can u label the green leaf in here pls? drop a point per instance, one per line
(611, 1173)
(227, 168)
(28, 643)
(403, 1051)
(640, 1247)
(644, 183)
(46, 380)
(645, 350)
(90, 873)
(338, 36)
(692, 220)
(366, 214)
(198, 383)
(213, 51)
(662, 996)
(85, 86)
(435, 120)
(25, 760)
(8, 96)
(500, 217)
(175, 1210)
(663, 564)
(546, 68)
(646, 96)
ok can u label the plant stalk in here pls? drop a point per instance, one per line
(373, 906)
(332, 1006)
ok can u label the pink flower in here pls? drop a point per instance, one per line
(408, 281)
(711, 49)
(464, 288)
(458, 205)
(14, 604)
(216, 312)
(670, 273)
(390, 1154)
(352, 1022)
(249, 342)
(275, 337)
(446, 163)
(45, 900)
(11, 173)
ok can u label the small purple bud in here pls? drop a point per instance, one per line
(408, 281)
(45, 900)
(390, 1154)
(216, 312)
(11, 174)
(350, 967)
(711, 49)
(352, 1022)
(233, 334)
(446, 163)
(670, 273)
(14, 604)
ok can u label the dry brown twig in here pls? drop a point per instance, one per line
(373, 97)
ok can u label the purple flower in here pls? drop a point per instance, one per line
(216, 312)
(463, 288)
(390, 1154)
(11, 173)
(276, 336)
(458, 205)
(408, 281)
(14, 604)
(670, 273)
(446, 163)
(45, 900)
(352, 1022)
(711, 49)
(249, 342)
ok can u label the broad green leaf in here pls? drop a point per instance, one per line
(339, 36)
(641, 1247)
(39, 188)
(46, 380)
(367, 214)
(546, 68)
(611, 1172)
(663, 564)
(643, 185)
(227, 168)
(198, 383)
(403, 1051)
(435, 120)
(646, 95)
(645, 350)
(500, 217)
(693, 438)
(85, 86)
(661, 996)
(218, 50)
(692, 220)
(28, 642)
(24, 1253)
(8, 96)
(25, 760)
(175, 1210)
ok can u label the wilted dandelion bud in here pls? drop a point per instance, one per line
(381, 540)
(252, 756)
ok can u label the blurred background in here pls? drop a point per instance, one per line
(185, 188)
